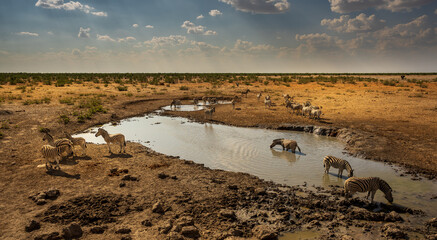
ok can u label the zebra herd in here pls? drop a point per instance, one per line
(64, 147)
(352, 184)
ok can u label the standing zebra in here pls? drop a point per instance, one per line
(370, 185)
(78, 141)
(245, 92)
(209, 112)
(233, 103)
(258, 96)
(267, 102)
(330, 161)
(112, 138)
(286, 144)
(175, 103)
(196, 101)
(64, 144)
(52, 153)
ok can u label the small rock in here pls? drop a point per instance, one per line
(190, 232)
(146, 223)
(122, 184)
(157, 208)
(98, 230)
(123, 231)
(174, 236)
(52, 194)
(126, 238)
(162, 175)
(346, 237)
(264, 232)
(227, 214)
(72, 231)
(391, 231)
(32, 225)
(41, 202)
(393, 217)
(129, 178)
(233, 187)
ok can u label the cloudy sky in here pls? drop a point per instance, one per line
(218, 36)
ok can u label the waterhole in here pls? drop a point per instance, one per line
(248, 150)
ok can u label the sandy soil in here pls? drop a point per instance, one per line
(177, 199)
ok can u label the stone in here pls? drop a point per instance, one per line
(393, 217)
(264, 232)
(146, 223)
(123, 231)
(162, 175)
(129, 178)
(72, 231)
(126, 238)
(41, 202)
(32, 225)
(157, 208)
(190, 232)
(391, 231)
(229, 214)
(122, 184)
(98, 230)
(346, 237)
(52, 194)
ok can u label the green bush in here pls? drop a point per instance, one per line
(183, 88)
(64, 119)
(122, 88)
(67, 100)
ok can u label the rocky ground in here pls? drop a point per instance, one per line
(146, 195)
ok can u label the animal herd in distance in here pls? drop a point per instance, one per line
(65, 146)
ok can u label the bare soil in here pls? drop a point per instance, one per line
(167, 197)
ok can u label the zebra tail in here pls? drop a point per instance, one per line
(298, 148)
(85, 145)
(125, 143)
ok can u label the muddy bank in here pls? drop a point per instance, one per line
(169, 198)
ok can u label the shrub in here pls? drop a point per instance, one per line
(122, 88)
(66, 100)
(1, 135)
(183, 88)
(64, 119)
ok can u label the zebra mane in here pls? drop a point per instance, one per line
(383, 185)
(278, 139)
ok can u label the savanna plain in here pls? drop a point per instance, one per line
(143, 194)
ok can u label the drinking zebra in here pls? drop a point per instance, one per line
(286, 144)
(112, 138)
(330, 161)
(368, 184)
(64, 144)
(52, 153)
(77, 141)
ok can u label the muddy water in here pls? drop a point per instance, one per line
(189, 108)
(247, 150)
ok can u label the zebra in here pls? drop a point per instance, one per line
(330, 161)
(78, 141)
(196, 101)
(204, 99)
(267, 97)
(245, 92)
(306, 110)
(112, 138)
(296, 107)
(52, 153)
(64, 143)
(315, 113)
(286, 144)
(259, 96)
(286, 96)
(233, 103)
(209, 112)
(267, 103)
(368, 184)
(175, 103)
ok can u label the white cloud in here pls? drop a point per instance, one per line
(28, 34)
(134, 25)
(347, 24)
(344, 6)
(215, 12)
(126, 39)
(196, 29)
(249, 47)
(50, 33)
(149, 26)
(200, 16)
(317, 43)
(105, 38)
(259, 6)
(84, 32)
(172, 40)
(69, 6)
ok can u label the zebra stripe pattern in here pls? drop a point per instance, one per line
(65, 145)
(79, 141)
(330, 161)
(51, 153)
(370, 185)
(112, 138)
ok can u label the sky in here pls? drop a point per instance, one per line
(218, 36)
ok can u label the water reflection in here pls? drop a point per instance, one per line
(331, 179)
(286, 155)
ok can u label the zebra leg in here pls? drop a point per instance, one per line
(368, 195)
(327, 168)
(340, 172)
(373, 195)
(57, 164)
(121, 147)
(109, 146)
(84, 150)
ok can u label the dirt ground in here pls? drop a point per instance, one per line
(169, 198)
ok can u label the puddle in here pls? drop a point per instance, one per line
(247, 150)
